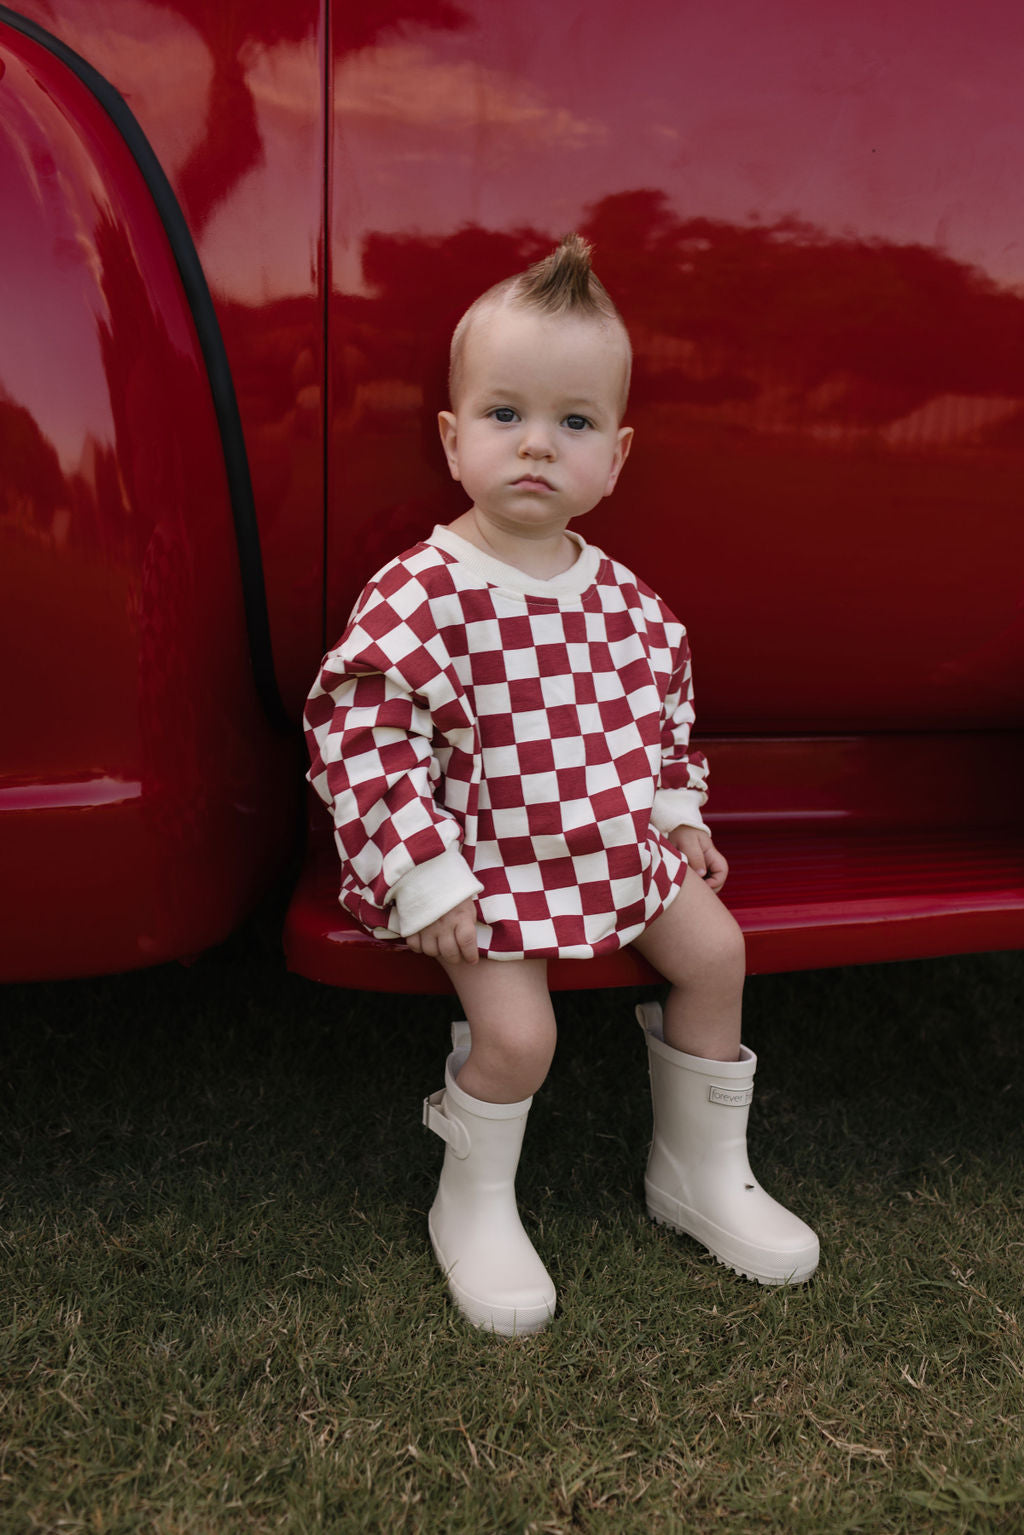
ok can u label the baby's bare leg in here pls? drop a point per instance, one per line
(512, 1023)
(698, 1175)
(698, 946)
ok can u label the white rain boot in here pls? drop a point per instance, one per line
(699, 1180)
(495, 1277)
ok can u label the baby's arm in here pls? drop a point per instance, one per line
(373, 721)
(451, 937)
(684, 773)
(682, 787)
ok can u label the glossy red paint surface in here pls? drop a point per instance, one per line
(806, 213)
(824, 871)
(231, 99)
(144, 801)
(807, 901)
(808, 216)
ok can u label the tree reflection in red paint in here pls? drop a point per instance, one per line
(819, 420)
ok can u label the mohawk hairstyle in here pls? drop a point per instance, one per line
(562, 283)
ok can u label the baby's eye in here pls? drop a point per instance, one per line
(577, 423)
(504, 414)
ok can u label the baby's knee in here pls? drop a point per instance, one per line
(511, 1024)
(721, 960)
(731, 943)
(518, 1045)
(508, 1063)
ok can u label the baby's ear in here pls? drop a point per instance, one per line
(622, 447)
(449, 441)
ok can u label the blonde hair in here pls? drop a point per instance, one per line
(563, 283)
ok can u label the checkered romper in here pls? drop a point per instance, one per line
(479, 733)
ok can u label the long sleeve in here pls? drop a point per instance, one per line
(682, 788)
(384, 706)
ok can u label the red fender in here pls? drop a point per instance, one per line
(145, 799)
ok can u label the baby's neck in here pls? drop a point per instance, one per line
(542, 555)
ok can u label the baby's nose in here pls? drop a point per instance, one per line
(537, 442)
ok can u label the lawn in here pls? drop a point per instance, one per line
(220, 1310)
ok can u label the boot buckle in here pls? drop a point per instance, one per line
(452, 1131)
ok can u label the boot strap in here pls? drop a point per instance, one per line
(648, 1016)
(460, 1035)
(452, 1131)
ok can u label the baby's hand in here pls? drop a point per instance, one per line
(451, 937)
(701, 854)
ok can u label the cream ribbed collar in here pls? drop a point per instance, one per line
(570, 583)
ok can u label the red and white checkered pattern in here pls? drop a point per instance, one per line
(530, 733)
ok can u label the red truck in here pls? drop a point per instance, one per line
(235, 240)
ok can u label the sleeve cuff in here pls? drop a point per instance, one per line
(432, 888)
(677, 807)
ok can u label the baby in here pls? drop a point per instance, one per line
(502, 736)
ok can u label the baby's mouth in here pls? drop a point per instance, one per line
(532, 482)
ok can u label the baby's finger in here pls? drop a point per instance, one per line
(466, 934)
(718, 869)
(448, 946)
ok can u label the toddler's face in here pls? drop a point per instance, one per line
(534, 437)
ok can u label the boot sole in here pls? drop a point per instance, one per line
(725, 1251)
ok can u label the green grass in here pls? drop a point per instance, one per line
(220, 1312)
